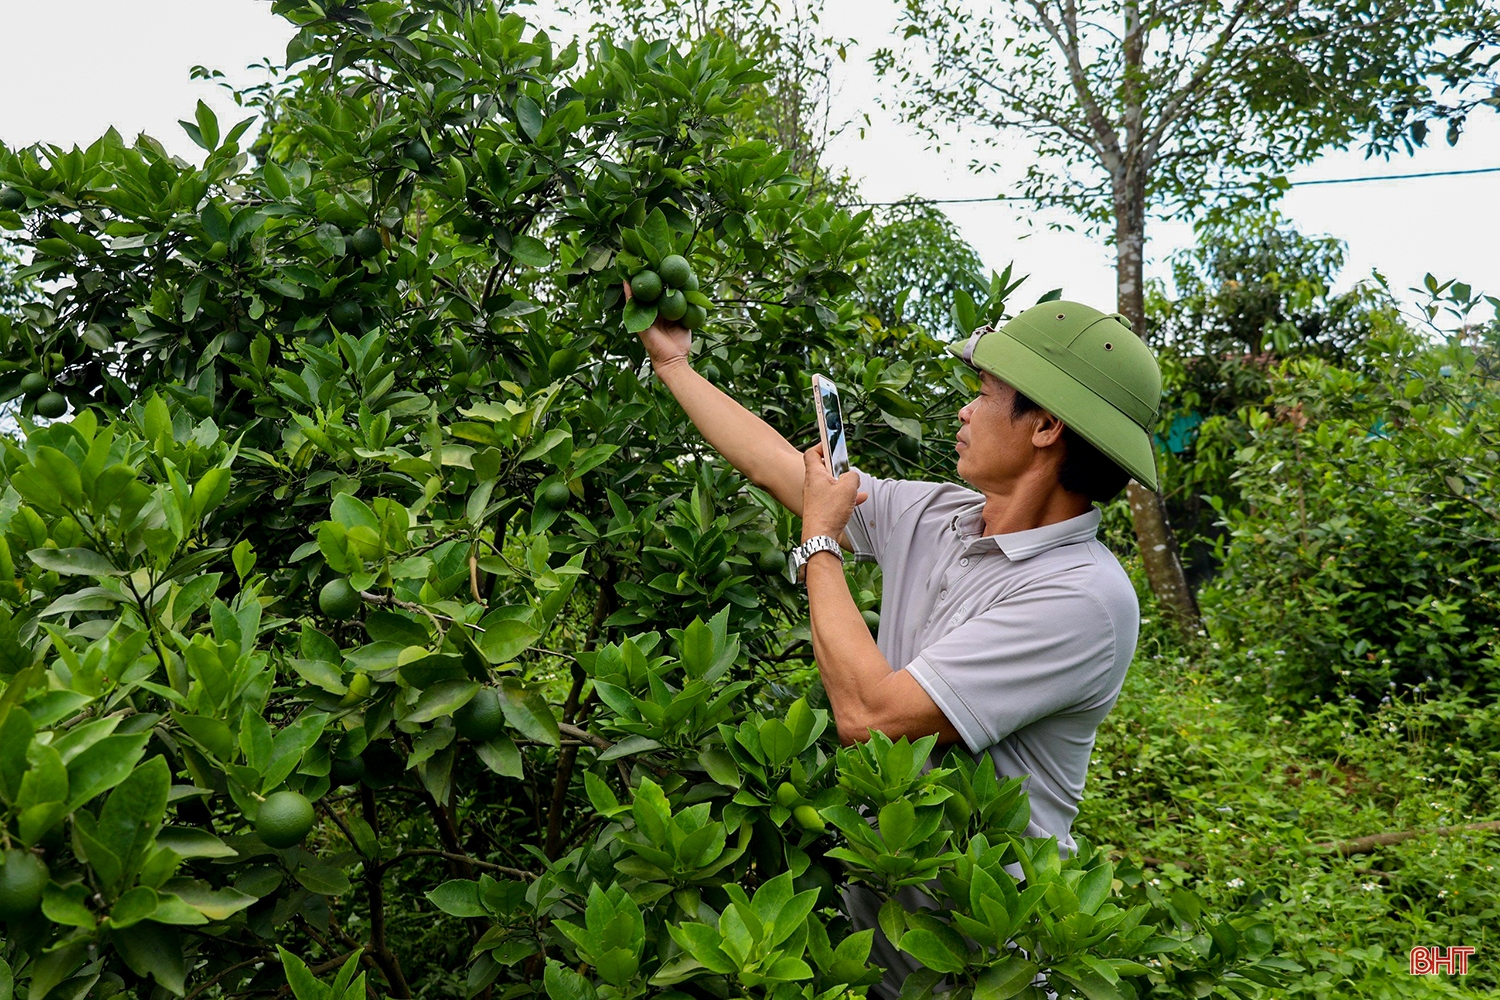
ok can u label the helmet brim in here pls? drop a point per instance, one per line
(1091, 417)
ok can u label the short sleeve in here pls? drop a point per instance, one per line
(871, 523)
(1049, 650)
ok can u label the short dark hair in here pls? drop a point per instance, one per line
(1085, 469)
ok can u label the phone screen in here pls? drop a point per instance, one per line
(831, 423)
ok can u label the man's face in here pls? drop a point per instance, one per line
(994, 448)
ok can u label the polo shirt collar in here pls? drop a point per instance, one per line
(1018, 545)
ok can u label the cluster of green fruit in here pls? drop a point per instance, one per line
(49, 402)
(804, 813)
(662, 282)
(668, 289)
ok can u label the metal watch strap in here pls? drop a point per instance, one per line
(797, 560)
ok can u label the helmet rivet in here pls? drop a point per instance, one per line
(1061, 316)
(1109, 347)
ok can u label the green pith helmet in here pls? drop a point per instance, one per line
(1086, 368)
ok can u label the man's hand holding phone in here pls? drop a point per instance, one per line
(827, 503)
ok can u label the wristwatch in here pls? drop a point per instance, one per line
(796, 560)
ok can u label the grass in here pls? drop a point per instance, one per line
(1230, 794)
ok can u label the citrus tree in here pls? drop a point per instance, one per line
(371, 609)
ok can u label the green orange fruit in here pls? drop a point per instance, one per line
(672, 306)
(235, 342)
(338, 599)
(346, 313)
(22, 879)
(787, 794)
(285, 819)
(346, 770)
(33, 383)
(357, 691)
(481, 718)
(564, 362)
(809, 818)
(694, 316)
(383, 765)
(367, 242)
(417, 152)
(11, 198)
(51, 405)
(771, 561)
(646, 286)
(691, 284)
(556, 495)
(675, 270)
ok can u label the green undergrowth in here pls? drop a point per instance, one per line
(1230, 794)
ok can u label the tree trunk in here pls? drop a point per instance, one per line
(1159, 551)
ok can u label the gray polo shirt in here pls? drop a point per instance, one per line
(1021, 639)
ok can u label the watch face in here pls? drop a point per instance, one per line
(791, 566)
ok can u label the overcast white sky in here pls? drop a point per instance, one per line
(126, 64)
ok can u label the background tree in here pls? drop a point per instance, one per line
(1142, 107)
(1252, 293)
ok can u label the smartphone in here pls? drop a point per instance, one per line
(830, 425)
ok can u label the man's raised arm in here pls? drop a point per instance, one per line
(746, 441)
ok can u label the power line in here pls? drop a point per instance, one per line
(1230, 187)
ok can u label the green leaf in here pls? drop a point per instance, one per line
(501, 756)
(103, 766)
(325, 880)
(67, 905)
(527, 712)
(74, 562)
(1005, 980)
(208, 126)
(190, 842)
(529, 114)
(562, 983)
(299, 977)
(530, 251)
(215, 904)
(136, 905)
(443, 699)
(930, 950)
(133, 811)
(639, 317)
(459, 898)
(630, 745)
(504, 638)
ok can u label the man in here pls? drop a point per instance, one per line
(1004, 623)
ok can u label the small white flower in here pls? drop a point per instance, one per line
(1156, 881)
(1120, 773)
(1442, 894)
(1217, 702)
(1451, 876)
(1369, 886)
(1213, 830)
(1236, 678)
(1489, 868)
(1235, 883)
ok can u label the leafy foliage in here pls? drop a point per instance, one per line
(1252, 293)
(1366, 554)
(456, 427)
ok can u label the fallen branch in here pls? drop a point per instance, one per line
(1342, 848)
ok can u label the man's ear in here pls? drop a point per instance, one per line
(1046, 429)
